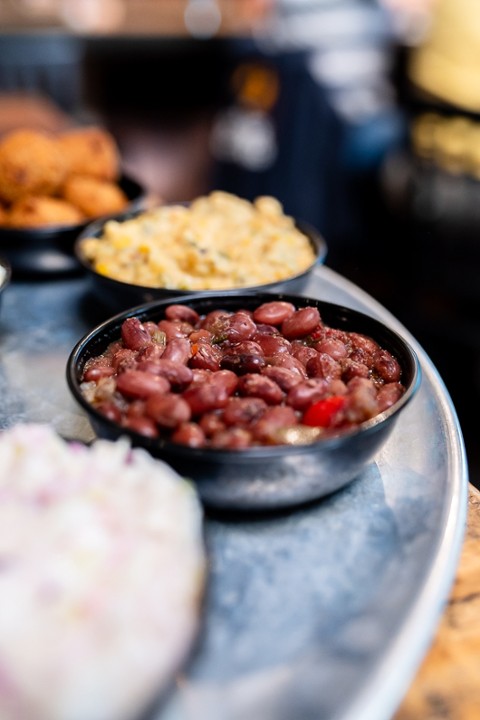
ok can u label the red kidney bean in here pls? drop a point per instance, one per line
(242, 411)
(200, 336)
(190, 434)
(261, 386)
(205, 397)
(167, 410)
(324, 366)
(141, 425)
(273, 313)
(352, 368)
(265, 329)
(214, 321)
(174, 329)
(289, 363)
(231, 439)
(361, 400)
(386, 366)
(150, 352)
(138, 384)
(178, 350)
(136, 408)
(333, 347)
(95, 372)
(206, 356)
(363, 342)
(389, 394)
(239, 326)
(307, 392)
(183, 313)
(276, 418)
(242, 363)
(285, 379)
(301, 323)
(212, 422)
(134, 334)
(224, 380)
(124, 360)
(245, 346)
(303, 353)
(110, 411)
(179, 376)
(273, 344)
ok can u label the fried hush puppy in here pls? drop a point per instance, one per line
(94, 197)
(40, 211)
(31, 163)
(90, 151)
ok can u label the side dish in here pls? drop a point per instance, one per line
(64, 179)
(102, 570)
(219, 241)
(273, 375)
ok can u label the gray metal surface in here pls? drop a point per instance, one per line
(323, 612)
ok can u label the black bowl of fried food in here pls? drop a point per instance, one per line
(48, 249)
(218, 243)
(5, 276)
(51, 187)
(265, 401)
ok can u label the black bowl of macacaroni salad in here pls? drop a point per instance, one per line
(263, 400)
(217, 243)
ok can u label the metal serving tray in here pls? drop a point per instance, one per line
(323, 612)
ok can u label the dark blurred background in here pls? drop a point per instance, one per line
(361, 116)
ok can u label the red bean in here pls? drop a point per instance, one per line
(206, 356)
(224, 380)
(274, 419)
(168, 410)
(179, 376)
(212, 422)
(352, 368)
(273, 344)
(110, 411)
(124, 360)
(303, 353)
(261, 386)
(183, 313)
(307, 392)
(177, 350)
(205, 397)
(174, 329)
(386, 366)
(232, 439)
(245, 346)
(301, 323)
(273, 313)
(138, 384)
(285, 379)
(333, 347)
(289, 363)
(242, 363)
(242, 411)
(135, 335)
(363, 342)
(389, 394)
(324, 366)
(190, 434)
(95, 372)
(141, 425)
(361, 400)
(151, 352)
(214, 321)
(239, 326)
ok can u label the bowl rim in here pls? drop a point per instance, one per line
(260, 452)
(93, 229)
(5, 264)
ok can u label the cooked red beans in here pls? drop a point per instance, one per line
(240, 379)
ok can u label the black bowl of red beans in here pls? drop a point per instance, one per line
(265, 401)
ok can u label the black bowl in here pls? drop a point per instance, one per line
(49, 250)
(118, 295)
(5, 275)
(260, 478)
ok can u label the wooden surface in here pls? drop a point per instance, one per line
(447, 686)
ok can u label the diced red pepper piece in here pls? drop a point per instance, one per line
(323, 412)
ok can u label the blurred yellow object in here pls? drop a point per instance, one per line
(447, 63)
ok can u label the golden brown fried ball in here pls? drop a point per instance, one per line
(39, 211)
(91, 151)
(94, 197)
(31, 163)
